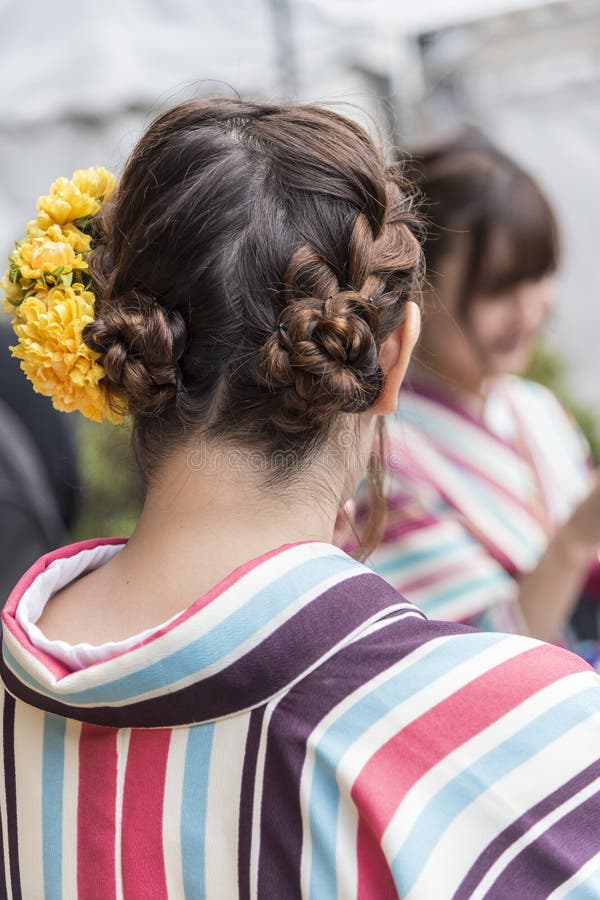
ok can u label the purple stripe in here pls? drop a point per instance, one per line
(521, 826)
(255, 677)
(3, 884)
(247, 802)
(551, 860)
(11, 794)
(294, 719)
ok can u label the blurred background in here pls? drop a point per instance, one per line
(80, 81)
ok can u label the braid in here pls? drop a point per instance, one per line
(323, 358)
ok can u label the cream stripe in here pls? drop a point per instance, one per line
(223, 807)
(257, 801)
(70, 807)
(3, 819)
(483, 820)
(346, 861)
(171, 831)
(123, 736)
(29, 742)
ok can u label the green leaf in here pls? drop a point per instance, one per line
(83, 223)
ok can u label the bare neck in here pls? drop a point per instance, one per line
(195, 528)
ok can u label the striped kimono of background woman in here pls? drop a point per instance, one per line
(299, 731)
(474, 502)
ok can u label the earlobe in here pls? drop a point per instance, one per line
(395, 356)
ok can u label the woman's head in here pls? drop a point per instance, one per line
(251, 265)
(491, 252)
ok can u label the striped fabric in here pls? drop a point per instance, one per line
(471, 509)
(300, 731)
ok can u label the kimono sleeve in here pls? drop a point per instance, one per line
(490, 787)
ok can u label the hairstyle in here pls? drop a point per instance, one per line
(473, 193)
(249, 266)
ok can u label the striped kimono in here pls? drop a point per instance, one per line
(299, 731)
(473, 502)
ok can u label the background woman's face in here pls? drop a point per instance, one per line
(495, 335)
(504, 327)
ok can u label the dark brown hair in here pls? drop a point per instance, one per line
(474, 193)
(250, 265)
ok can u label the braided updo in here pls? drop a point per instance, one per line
(251, 264)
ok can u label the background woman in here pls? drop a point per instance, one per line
(492, 520)
(227, 705)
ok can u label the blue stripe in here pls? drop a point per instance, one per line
(256, 613)
(53, 759)
(588, 889)
(434, 604)
(487, 497)
(476, 485)
(438, 551)
(470, 784)
(459, 436)
(324, 793)
(193, 810)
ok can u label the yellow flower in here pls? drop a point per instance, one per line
(51, 306)
(13, 292)
(54, 357)
(79, 241)
(75, 198)
(95, 181)
(36, 256)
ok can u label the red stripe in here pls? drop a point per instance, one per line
(96, 812)
(408, 755)
(375, 880)
(142, 861)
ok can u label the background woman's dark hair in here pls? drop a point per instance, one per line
(250, 265)
(476, 196)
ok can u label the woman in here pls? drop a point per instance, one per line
(227, 705)
(495, 516)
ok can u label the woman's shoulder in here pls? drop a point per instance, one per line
(410, 640)
(532, 395)
(407, 664)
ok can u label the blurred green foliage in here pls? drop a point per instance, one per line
(549, 368)
(112, 487)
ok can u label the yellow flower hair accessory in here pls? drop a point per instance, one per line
(48, 290)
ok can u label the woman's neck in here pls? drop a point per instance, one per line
(227, 513)
(471, 394)
(198, 525)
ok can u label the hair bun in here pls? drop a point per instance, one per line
(140, 343)
(323, 359)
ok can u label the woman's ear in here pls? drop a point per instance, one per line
(394, 357)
